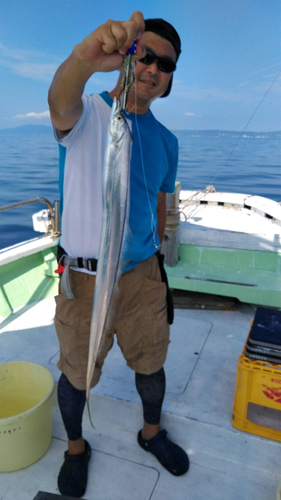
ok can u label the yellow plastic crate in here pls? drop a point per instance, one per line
(257, 382)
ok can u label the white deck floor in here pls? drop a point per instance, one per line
(226, 464)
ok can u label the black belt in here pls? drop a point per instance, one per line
(82, 263)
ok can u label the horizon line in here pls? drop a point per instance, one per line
(172, 130)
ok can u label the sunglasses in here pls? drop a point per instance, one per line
(164, 64)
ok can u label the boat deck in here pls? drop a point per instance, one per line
(230, 244)
(226, 464)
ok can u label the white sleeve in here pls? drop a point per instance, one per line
(76, 130)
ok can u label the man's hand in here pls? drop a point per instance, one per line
(103, 50)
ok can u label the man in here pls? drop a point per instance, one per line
(142, 328)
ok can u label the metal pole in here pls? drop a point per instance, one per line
(57, 216)
(29, 202)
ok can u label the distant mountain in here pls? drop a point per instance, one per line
(44, 129)
(219, 133)
(27, 129)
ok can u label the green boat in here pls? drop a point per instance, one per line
(216, 243)
(223, 259)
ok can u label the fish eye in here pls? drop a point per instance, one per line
(119, 118)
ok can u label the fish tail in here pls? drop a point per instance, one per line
(89, 412)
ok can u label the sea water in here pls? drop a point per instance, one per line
(29, 169)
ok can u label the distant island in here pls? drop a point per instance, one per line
(220, 133)
(27, 129)
(47, 129)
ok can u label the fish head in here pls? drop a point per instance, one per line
(118, 125)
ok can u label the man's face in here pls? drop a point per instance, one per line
(151, 82)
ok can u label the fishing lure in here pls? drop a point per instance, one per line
(129, 76)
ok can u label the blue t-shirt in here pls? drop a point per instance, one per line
(160, 159)
(81, 168)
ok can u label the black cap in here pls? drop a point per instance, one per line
(167, 31)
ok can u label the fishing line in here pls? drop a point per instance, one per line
(248, 124)
(153, 223)
(203, 192)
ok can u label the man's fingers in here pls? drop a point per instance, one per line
(106, 46)
(131, 29)
(113, 36)
(135, 29)
(120, 36)
(119, 33)
(137, 18)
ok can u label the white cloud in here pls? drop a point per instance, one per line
(263, 83)
(32, 114)
(199, 94)
(190, 114)
(264, 69)
(41, 72)
(42, 66)
(29, 64)
(250, 93)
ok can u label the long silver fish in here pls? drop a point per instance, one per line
(116, 237)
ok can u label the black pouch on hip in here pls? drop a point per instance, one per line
(170, 305)
(60, 253)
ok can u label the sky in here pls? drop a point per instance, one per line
(231, 55)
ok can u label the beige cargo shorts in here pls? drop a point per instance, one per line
(141, 326)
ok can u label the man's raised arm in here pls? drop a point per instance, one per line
(103, 51)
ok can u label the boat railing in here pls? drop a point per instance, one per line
(53, 212)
